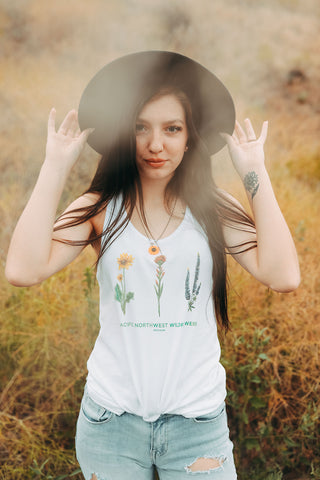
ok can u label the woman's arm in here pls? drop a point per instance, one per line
(274, 262)
(33, 255)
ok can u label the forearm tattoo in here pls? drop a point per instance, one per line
(251, 183)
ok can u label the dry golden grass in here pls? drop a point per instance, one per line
(49, 52)
(47, 332)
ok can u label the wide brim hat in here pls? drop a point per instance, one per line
(113, 94)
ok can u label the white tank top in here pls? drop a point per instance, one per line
(157, 350)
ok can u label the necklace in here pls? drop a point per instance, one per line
(154, 248)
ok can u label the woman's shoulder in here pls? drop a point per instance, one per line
(92, 198)
(84, 202)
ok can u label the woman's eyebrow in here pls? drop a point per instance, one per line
(141, 120)
(174, 120)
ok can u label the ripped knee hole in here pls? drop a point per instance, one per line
(205, 464)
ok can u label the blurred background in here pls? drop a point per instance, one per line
(267, 54)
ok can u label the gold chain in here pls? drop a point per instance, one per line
(153, 250)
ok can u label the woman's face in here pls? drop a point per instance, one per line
(161, 137)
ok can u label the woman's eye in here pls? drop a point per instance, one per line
(140, 128)
(174, 129)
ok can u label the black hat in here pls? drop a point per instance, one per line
(115, 91)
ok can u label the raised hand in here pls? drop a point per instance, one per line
(245, 149)
(65, 145)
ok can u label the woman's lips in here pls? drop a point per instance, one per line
(155, 162)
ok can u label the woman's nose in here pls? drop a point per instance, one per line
(155, 142)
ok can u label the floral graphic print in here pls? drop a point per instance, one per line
(191, 297)
(125, 261)
(158, 287)
(153, 250)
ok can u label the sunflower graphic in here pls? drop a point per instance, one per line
(125, 261)
(153, 250)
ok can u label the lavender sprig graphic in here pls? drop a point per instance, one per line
(191, 296)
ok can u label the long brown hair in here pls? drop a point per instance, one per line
(117, 176)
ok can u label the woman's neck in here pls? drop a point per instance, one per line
(160, 219)
(153, 193)
(154, 198)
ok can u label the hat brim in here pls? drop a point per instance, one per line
(114, 92)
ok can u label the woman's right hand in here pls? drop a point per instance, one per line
(65, 145)
(33, 254)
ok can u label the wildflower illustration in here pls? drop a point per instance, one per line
(158, 287)
(154, 250)
(191, 296)
(125, 261)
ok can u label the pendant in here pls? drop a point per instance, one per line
(153, 250)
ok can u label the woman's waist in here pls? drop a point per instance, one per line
(149, 396)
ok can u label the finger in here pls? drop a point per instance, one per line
(73, 126)
(235, 138)
(250, 132)
(264, 132)
(64, 127)
(85, 134)
(228, 139)
(52, 121)
(239, 131)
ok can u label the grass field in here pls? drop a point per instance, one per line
(267, 54)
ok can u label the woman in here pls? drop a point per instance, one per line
(155, 392)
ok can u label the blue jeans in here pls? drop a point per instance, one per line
(125, 447)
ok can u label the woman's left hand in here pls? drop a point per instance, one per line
(246, 150)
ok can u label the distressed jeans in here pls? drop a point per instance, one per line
(123, 447)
